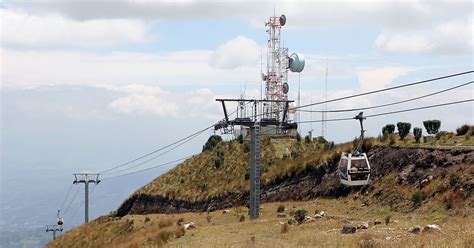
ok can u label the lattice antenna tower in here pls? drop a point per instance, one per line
(276, 75)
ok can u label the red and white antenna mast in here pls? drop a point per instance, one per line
(278, 63)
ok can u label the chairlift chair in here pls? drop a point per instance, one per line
(354, 168)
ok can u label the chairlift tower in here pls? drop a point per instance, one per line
(86, 178)
(54, 229)
(272, 111)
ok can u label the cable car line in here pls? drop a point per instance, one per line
(387, 104)
(385, 89)
(72, 200)
(157, 150)
(65, 198)
(155, 157)
(162, 148)
(395, 112)
(372, 92)
(149, 168)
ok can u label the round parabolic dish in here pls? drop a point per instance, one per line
(296, 62)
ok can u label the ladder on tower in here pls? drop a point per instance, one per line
(255, 172)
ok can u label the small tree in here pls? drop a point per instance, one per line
(432, 126)
(298, 137)
(388, 129)
(212, 142)
(403, 129)
(462, 130)
(307, 139)
(300, 215)
(417, 132)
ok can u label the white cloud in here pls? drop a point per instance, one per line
(378, 78)
(235, 53)
(23, 68)
(143, 99)
(20, 29)
(440, 27)
(144, 104)
(451, 37)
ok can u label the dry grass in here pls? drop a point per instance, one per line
(267, 231)
(130, 231)
(198, 178)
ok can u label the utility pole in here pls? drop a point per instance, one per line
(324, 114)
(54, 229)
(86, 178)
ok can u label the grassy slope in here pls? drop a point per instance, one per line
(456, 222)
(199, 178)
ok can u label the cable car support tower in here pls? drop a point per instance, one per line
(270, 115)
(86, 178)
(54, 229)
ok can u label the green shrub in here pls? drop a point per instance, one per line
(403, 129)
(321, 139)
(300, 215)
(442, 134)
(462, 130)
(281, 209)
(329, 145)
(212, 142)
(432, 126)
(417, 197)
(247, 174)
(217, 163)
(307, 139)
(294, 154)
(298, 137)
(388, 129)
(246, 147)
(417, 132)
(240, 138)
(453, 179)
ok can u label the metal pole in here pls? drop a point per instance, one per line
(86, 201)
(254, 171)
(54, 234)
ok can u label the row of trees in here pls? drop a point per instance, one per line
(403, 128)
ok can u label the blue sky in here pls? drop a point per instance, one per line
(87, 85)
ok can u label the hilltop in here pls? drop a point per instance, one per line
(433, 181)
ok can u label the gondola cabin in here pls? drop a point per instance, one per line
(354, 169)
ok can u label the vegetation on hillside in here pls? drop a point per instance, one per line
(443, 196)
(223, 168)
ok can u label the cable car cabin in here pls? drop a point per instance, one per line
(354, 169)
(60, 221)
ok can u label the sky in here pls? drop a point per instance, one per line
(86, 85)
